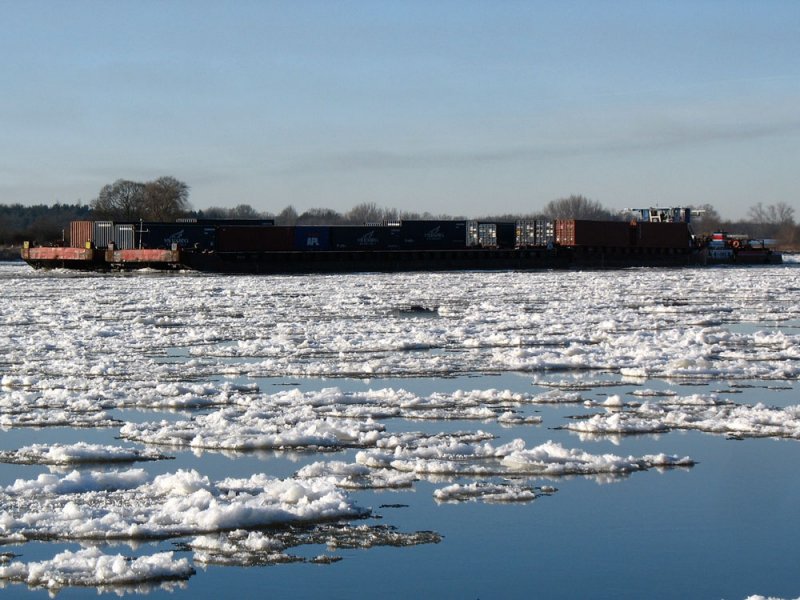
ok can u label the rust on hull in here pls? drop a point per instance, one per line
(92, 259)
(84, 259)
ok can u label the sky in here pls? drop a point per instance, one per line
(459, 107)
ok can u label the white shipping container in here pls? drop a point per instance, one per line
(472, 234)
(525, 234)
(124, 237)
(103, 233)
(545, 233)
(487, 235)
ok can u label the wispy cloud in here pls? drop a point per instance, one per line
(649, 138)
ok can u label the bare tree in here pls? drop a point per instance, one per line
(774, 214)
(705, 219)
(161, 200)
(214, 212)
(366, 212)
(288, 216)
(577, 207)
(391, 214)
(320, 216)
(241, 211)
(166, 198)
(121, 200)
(244, 211)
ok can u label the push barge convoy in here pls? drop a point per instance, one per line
(660, 237)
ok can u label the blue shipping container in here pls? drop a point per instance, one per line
(363, 237)
(436, 235)
(309, 237)
(185, 235)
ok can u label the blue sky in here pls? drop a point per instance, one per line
(459, 107)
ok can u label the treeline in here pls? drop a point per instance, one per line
(167, 198)
(40, 222)
(775, 222)
(574, 207)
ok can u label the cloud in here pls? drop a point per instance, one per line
(647, 137)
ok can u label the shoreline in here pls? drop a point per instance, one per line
(10, 253)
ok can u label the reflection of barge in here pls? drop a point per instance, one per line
(661, 237)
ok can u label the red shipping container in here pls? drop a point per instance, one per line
(81, 233)
(601, 234)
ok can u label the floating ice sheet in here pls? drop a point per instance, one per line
(695, 413)
(90, 346)
(109, 332)
(483, 460)
(327, 419)
(90, 567)
(250, 548)
(126, 505)
(80, 452)
(486, 492)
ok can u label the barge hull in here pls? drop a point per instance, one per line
(92, 259)
(126, 260)
(406, 261)
(80, 259)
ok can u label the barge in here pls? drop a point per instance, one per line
(660, 237)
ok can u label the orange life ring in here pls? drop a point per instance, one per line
(735, 243)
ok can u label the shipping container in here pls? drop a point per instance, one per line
(662, 235)
(184, 235)
(601, 234)
(472, 234)
(362, 237)
(81, 233)
(103, 233)
(506, 235)
(432, 235)
(242, 238)
(312, 237)
(545, 233)
(534, 233)
(124, 236)
(487, 235)
(525, 233)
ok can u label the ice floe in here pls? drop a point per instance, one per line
(327, 419)
(251, 548)
(486, 492)
(80, 452)
(92, 347)
(696, 412)
(108, 331)
(550, 459)
(127, 505)
(355, 476)
(90, 567)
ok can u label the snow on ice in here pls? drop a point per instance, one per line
(91, 348)
(115, 333)
(126, 505)
(90, 567)
(696, 413)
(80, 452)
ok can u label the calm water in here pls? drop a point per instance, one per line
(727, 528)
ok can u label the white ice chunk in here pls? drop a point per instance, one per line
(90, 567)
(80, 452)
(122, 506)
